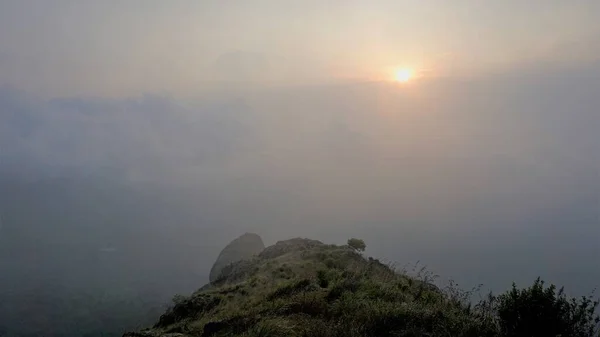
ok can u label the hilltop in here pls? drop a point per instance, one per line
(304, 287)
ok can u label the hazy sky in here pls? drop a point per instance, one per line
(127, 125)
(119, 48)
(442, 153)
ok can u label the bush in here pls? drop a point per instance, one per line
(323, 278)
(188, 307)
(267, 329)
(290, 289)
(357, 244)
(540, 311)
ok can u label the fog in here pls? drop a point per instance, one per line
(137, 139)
(129, 201)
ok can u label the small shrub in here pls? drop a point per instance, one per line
(178, 299)
(310, 304)
(347, 285)
(357, 244)
(323, 278)
(188, 307)
(267, 329)
(383, 292)
(541, 311)
(290, 289)
(331, 263)
(232, 290)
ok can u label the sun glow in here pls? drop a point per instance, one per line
(403, 75)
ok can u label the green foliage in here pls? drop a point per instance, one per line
(178, 299)
(283, 272)
(324, 277)
(267, 329)
(541, 311)
(290, 288)
(357, 244)
(188, 308)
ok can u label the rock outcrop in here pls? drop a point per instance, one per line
(244, 247)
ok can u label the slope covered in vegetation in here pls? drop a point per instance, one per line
(305, 288)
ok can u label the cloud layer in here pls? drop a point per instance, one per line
(450, 164)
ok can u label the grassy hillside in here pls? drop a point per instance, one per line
(306, 288)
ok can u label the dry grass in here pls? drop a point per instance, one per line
(322, 290)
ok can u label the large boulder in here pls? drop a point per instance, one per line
(244, 247)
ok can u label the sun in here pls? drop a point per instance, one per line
(403, 75)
